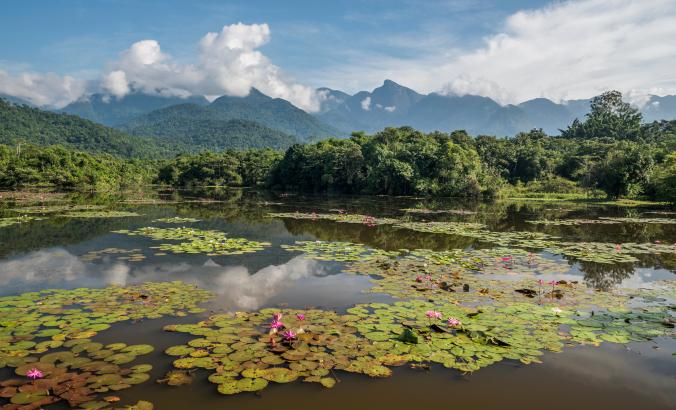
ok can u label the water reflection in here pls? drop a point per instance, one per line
(300, 281)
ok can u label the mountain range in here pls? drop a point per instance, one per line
(258, 120)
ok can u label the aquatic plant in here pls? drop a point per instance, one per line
(370, 338)
(5, 222)
(177, 220)
(337, 217)
(100, 214)
(337, 251)
(131, 255)
(211, 243)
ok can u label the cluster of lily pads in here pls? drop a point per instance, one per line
(411, 278)
(79, 376)
(337, 217)
(197, 241)
(602, 221)
(100, 214)
(177, 220)
(131, 255)
(5, 222)
(337, 251)
(599, 252)
(36, 328)
(246, 351)
(491, 261)
(51, 209)
(425, 211)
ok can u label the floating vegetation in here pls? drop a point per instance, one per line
(600, 252)
(476, 231)
(36, 322)
(100, 214)
(36, 327)
(410, 278)
(424, 211)
(5, 222)
(211, 243)
(498, 261)
(572, 222)
(51, 209)
(339, 217)
(247, 351)
(338, 251)
(602, 221)
(608, 253)
(177, 378)
(177, 220)
(77, 376)
(131, 255)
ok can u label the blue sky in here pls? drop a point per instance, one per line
(430, 45)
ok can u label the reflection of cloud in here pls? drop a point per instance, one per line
(56, 267)
(46, 266)
(245, 291)
(235, 286)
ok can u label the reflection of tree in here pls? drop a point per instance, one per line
(383, 237)
(604, 276)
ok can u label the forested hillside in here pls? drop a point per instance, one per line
(199, 127)
(20, 124)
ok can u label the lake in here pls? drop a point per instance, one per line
(385, 302)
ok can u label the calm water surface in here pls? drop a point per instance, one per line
(48, 254)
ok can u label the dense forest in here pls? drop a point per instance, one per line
(57, 166)
(610, 151)
(187, 124)
(21, 124)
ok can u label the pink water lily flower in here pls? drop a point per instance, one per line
(541, 282)
(35, 374)
(276, 324)
(506, 258)
(618, 247)
(276, 317)
(553, 282)
(419, 278)
(433, 314)
(453, 322)
(300, 316)
(289, 335)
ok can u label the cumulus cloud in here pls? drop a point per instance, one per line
(42, 89)
(229, 63)
(572, 49)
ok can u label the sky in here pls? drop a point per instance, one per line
(54, 52)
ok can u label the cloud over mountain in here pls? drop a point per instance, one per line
(229, 63)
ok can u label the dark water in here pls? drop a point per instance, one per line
(48, 254)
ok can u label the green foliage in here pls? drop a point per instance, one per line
(228, 168)
(20, 124)
(624, 170)
(190, 126)
(396, 161)
(65, 168)
(610, 117)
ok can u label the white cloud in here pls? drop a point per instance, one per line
(366, 104)
(390, 108)
(229, 63)
(42, 89)
(573, 49)
(568, 50)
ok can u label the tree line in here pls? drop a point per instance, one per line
(609, 151)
